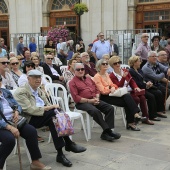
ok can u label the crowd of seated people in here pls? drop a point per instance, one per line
(90, 85)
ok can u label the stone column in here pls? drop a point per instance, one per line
(131, 14)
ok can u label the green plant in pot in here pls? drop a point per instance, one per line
(80, 8)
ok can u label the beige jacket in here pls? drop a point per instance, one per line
(26, 100)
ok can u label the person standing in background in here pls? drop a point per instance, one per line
(143, 49)
(20, 46)
(32, 45)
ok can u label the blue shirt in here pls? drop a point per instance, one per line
(101, 48)
(32, 47)
(20, 48)
(39, 101)
(3, 53)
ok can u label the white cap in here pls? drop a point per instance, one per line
(34, 73)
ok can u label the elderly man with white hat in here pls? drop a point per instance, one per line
(40, 112)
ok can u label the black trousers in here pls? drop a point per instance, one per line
(46, 120)
(125, 101)
(155, 102)
(7, 140)
(95, 112)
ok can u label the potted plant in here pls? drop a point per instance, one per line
(80, 8)
(57, 32)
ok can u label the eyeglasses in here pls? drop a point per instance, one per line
(101, 35)
(104, 64)
(20, 58)
(119, 62)
(163, 55)
(30, 66)
(153, 56)
(16, 63)
(4, 62)
(78, 69)
(50, 58)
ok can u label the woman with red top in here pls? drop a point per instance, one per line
(122, 78)
(106, 86)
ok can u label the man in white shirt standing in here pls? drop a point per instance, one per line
(64, 49)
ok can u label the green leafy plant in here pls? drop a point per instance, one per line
(80, 8)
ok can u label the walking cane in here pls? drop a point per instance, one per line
(19, 153)
(166, 92)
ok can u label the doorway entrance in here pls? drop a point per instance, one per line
(165, 26)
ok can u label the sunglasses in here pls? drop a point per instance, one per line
(119, 62)
(78, 69)
(14, 63)
(4, 62)
(30, 66)
(104, 64)
(20, 58)
(50, 58)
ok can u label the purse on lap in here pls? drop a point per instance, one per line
(62, 123)
(138, 93)
(119, 92)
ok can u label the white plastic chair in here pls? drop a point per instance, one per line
(52, 89)
(48, 78)
(63, 69)
(125, 66)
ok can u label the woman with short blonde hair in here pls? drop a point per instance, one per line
(154, 96)
(15, 71)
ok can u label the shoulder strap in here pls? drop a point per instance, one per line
(3, 117)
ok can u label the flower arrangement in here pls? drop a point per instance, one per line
(57, 32)
(79, 8)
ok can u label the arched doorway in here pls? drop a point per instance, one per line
(61, 14)
(4, 22)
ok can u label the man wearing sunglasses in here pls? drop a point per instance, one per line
(52, 70)
(7, 80)
(143, 49)
(86, 97)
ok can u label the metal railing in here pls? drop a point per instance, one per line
(128, 40)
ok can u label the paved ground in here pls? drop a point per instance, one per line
(148, 149)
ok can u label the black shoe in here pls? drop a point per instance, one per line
(106, 136)
(62, 159)
(75, 148)
(155, 119)
(134, 128)
(115, 135)
(137, 119)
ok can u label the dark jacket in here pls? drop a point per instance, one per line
(47, 71)
(138, 78)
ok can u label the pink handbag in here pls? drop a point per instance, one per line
(63, 123)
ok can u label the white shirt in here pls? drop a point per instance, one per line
(120, 77)
(64, 47)
(8, 81)
(54, 72)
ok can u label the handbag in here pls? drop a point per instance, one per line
(19, 124)
(138, 93)
(62, 123)
(119, 92)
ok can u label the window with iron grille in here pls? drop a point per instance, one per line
(3, 7)
(146, 0)
(58, 4)
(68, 20)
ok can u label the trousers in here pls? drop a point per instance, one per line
(7, 140)
(46, 120)
(125, 101)
(95, 112)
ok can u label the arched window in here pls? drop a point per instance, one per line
(3, 7)
(59, 4)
